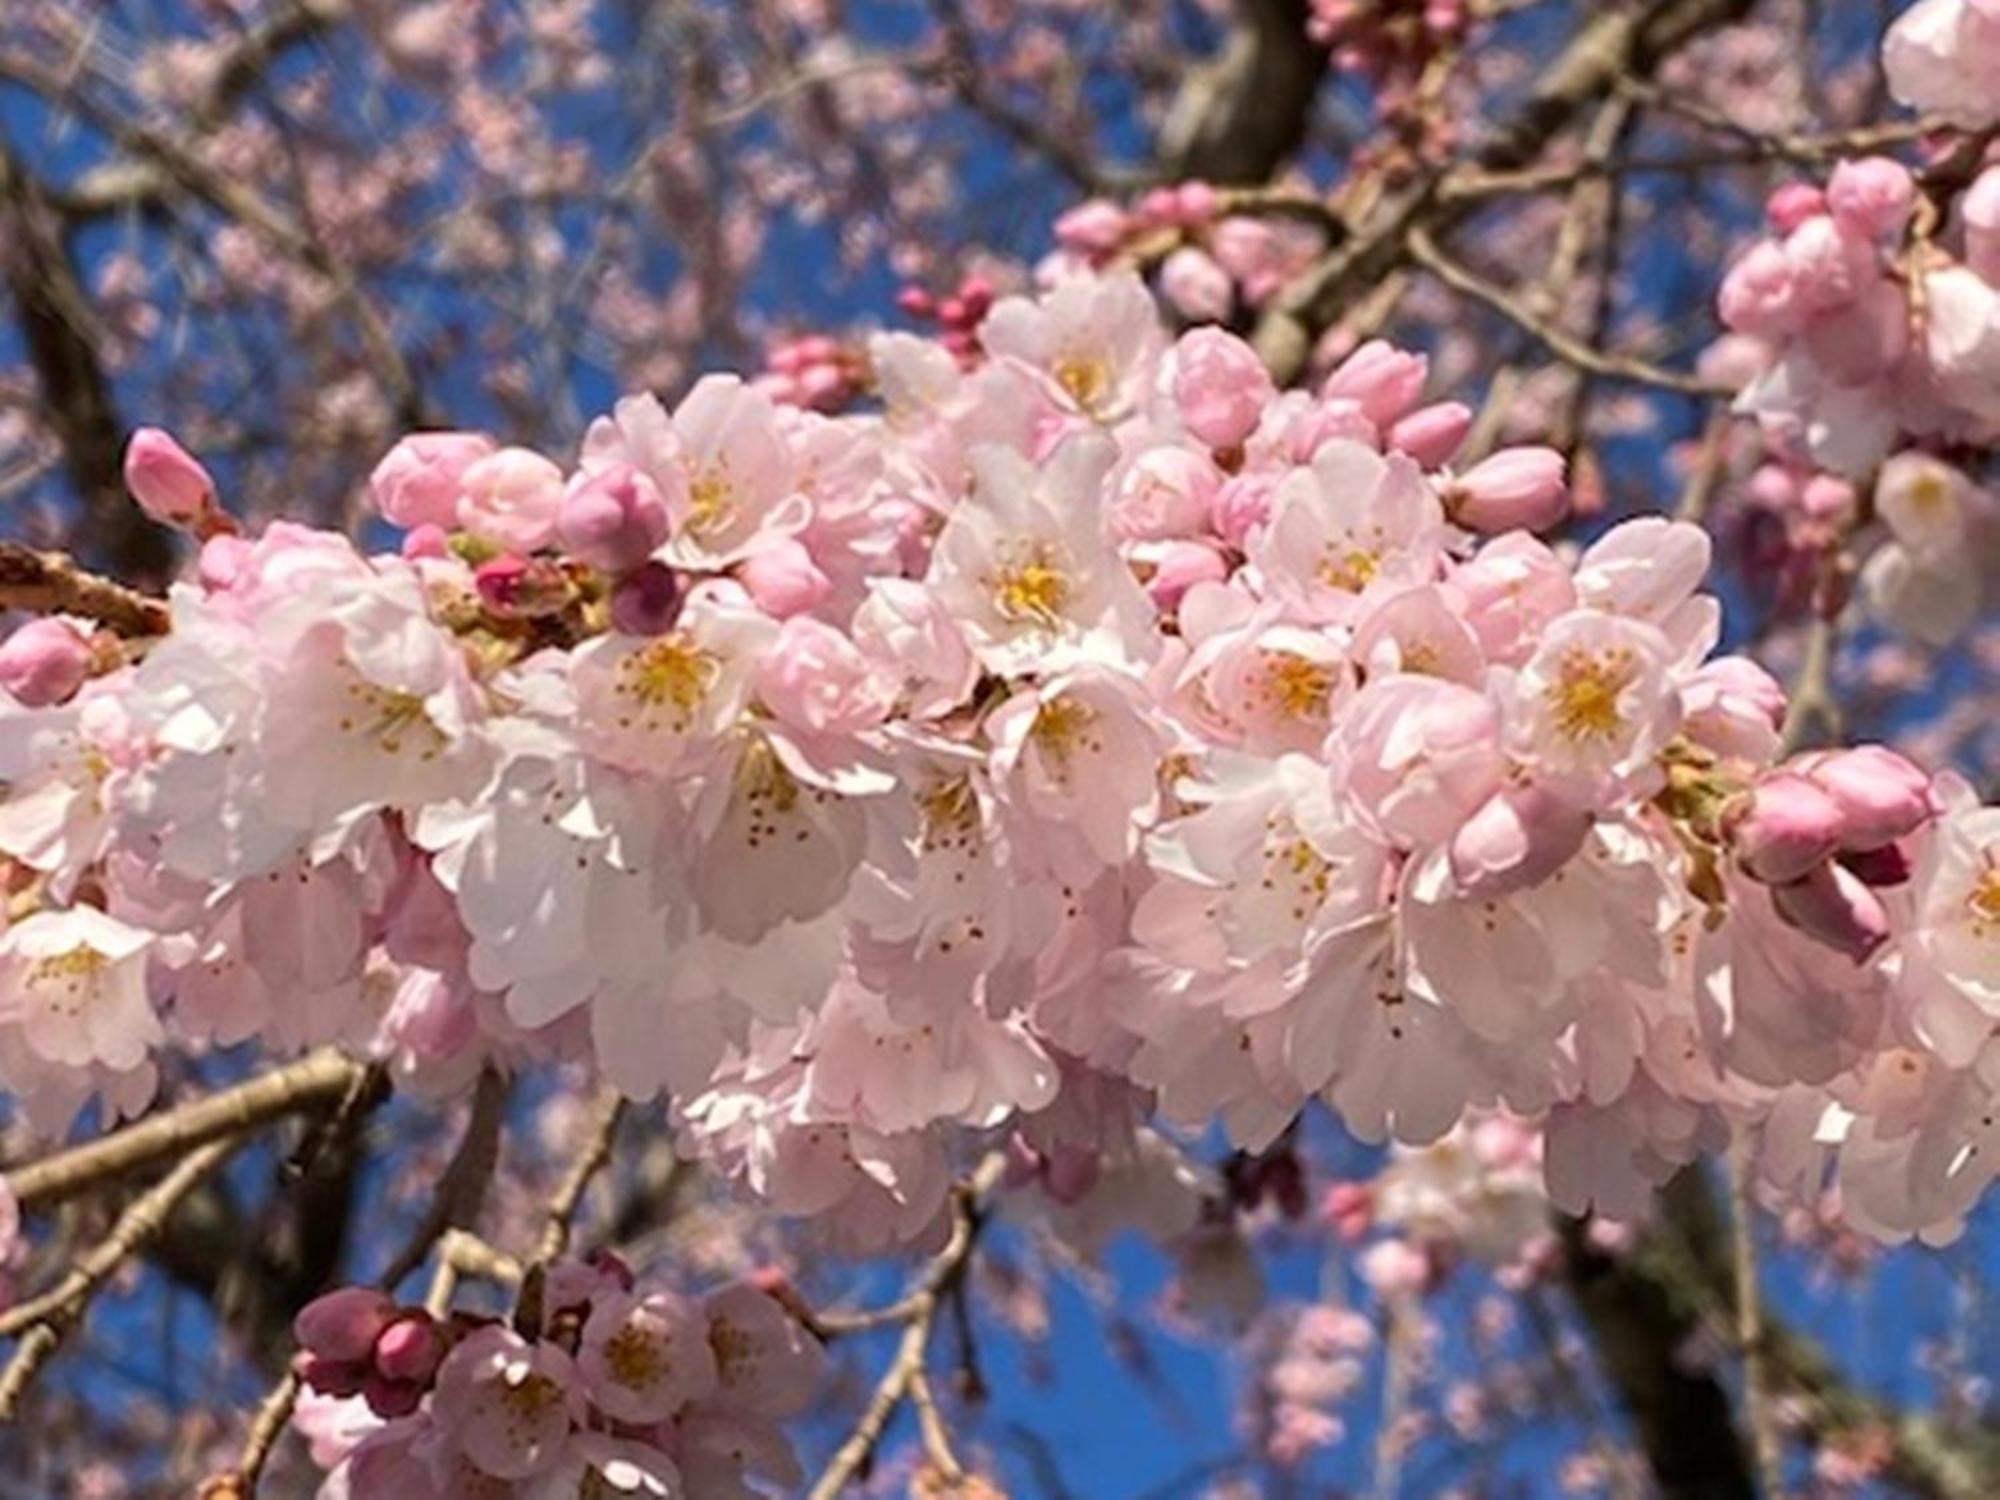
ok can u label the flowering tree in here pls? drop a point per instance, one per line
(1343, 633)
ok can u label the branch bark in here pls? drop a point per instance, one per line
(1612, 45)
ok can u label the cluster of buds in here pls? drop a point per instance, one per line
(819, 372)
(1394, 45)
(957, 314)
(1210, 260)
(610, 517)
(357, 1341)
(1826, 832)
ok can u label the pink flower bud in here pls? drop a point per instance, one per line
(418, 481)
(1758, 295)
(391, 1399)
(1242, 504)
(1431, 434)
(612, 518)
(784, 580)
(1833, 906)
(426, 541)
(1195, 286)
(410, 1348)
(344, 1324)
(1791, 205)
(1220, 387)
(511, 497)
(332, 1377)
(1788, 827)
(1516, 839)
(1516, 489)
(1096, 227)
(646, 601)
(1181, 565)
(1379, 378)
(1828, 498)
(1980, 211)
(168, 482)
(44, 662)
(1882, 796)
(1195, 203)
(1872, 197)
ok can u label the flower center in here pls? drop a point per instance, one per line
(1034, 588)
(1062, 728)
(1295, 687)
(672, 674)
(393, 719)
(1983, 902)
(951, 815)
(731, 1346)
(1349, 567)
(711, 499)
(1084, 378)
(1584, 697)
(1930, 493)
(66, 981)
(632, 1357)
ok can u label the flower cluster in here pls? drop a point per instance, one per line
(611, 1391)
(1867, 328)
(1091, 732)
(1210, 259)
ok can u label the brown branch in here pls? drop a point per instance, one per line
(182, 163)
(1611, 45)
(462, 1185)
(319, 1080)
(905, 1377)
(49, 583)
(42, 1321)
(1564, 345)
(62, 335)
(568, 1195)
(1240, 117)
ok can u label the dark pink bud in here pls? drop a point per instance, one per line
(343, 1324)
(410, 1348)
(390, 1399)
(1793, 204)
(332, 1377)
(647, 600)
(1890, 865)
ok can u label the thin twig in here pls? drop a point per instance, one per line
(1750, 1322)
(905, 1377)
(45, 1319)
(49, 583)
(596, 1151)
(1425, 252)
